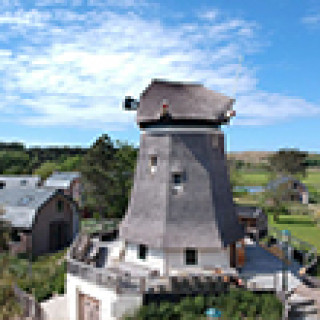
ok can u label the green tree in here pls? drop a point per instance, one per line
(272, 200)
(13, 162)
(4, 232)
(8, 303)
(97, 175)
(46, 169)
(123, 169)
(107, 171)
(290, 162)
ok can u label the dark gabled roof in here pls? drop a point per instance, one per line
(187, 101)
(22, 204)
(248, 211)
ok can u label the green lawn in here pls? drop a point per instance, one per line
(301, 227)
(261, 178)
(313, 179)
(253, 178)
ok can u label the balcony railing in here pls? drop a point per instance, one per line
(106, 277)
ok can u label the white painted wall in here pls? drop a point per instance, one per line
(154, 259)
(112, 306)
(215, 258)
(175, 259)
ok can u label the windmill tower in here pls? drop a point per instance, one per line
(181, 213)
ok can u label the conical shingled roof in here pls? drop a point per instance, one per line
(187, 101)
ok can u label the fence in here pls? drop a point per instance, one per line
(107, 278)
(92, 225)
(308, 252)
(30, 307)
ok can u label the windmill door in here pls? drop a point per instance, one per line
(89, 308)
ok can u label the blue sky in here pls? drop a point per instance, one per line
(66, 65)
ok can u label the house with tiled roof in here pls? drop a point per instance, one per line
(43, 220)
(19, 181)
(291, 189)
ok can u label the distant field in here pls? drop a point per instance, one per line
(254, 178)
(261, 178)
(313, 179)
(301, 227)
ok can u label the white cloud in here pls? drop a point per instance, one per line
(312, 20)
(262, 108)
(74, 69)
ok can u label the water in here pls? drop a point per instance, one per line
(249, 189)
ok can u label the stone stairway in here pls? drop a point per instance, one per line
(305, 303)
(302, 308)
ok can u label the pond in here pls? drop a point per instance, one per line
(249, 189)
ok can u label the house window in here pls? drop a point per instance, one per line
(2, 184)
(191, 257)
(23, 182)
(142, 252)
(60, 206)
(153, 163)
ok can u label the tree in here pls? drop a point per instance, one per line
(123, 169)
(107, 170)
(98, 178)
(288, 162)
(4, 232)
(9, 306)
(273, 200)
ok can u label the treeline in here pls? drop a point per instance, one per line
(16, 158)
(309, 160)
(107, 170)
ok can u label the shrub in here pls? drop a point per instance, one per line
(236, 304)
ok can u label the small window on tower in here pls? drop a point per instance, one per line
(177, 179)
(153, 163)
(142, 252)
(191, 257)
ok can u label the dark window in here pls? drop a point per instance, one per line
(177, 183)
(23, 182)
(15, 236)
(2, 184)
(153, 161)
(191, 256)
(60, 206)
(142, 252)
(177, 179)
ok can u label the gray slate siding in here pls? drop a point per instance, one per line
(144, 222)
(202, 216)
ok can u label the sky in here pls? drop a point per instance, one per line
(66, 66)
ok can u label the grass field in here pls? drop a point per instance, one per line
(301, 227)
(313, 179)
(261, 178)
